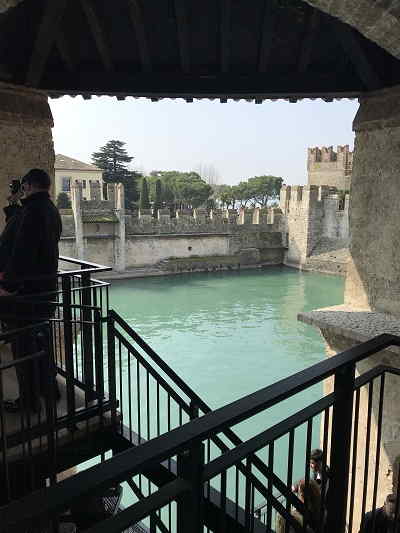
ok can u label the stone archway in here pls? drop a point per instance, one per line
(377, 20)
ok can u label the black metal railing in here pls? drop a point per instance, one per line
(262, 467)
(44, 335)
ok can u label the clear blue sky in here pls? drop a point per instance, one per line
(240, 139)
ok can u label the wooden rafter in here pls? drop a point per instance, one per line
(98, 34)
(64, 50)
(136, 14)
(48, 29)
(267, 34)
(309, 41)
(352, 47)
(183, 33)
(225, 35)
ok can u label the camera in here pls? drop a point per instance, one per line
(15, 186)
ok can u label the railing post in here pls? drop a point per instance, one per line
(112, 385)
(342, 419)
(98, 353)
(190, 504)
(68, 344)
(87, 335)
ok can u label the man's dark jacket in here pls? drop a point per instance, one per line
(32, 260)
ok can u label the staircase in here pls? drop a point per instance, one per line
(184, 466)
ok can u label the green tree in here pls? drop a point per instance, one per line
(63, 201)
(182, 189)
(158, 200)
(264, 189)
(113, 159)
(144, 195)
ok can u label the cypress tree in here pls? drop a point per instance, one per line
(158, 198)
(144, 195)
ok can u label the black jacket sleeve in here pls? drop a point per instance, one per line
(24, 254)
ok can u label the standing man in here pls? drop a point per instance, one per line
(29, 271)
(319, 473)
(383, 520)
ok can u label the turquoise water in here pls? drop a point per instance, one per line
(230, 334)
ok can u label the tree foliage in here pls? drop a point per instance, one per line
(113, 159)
(180, 190)
(63, 201)
(158, 197)
(256, 191)
(144, 195)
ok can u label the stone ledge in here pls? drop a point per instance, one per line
(354, 324)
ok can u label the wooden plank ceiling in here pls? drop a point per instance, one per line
(258, 49)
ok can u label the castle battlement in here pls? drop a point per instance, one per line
(329, 167)
(296, 198)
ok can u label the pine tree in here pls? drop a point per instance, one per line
(113, 159)
(158, 198)
(144, 195)
(63, 201)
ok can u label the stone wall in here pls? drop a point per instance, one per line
(327, 167)
(311, 216)
(374, 275)
(25, 135)
(379, 21)
(105, 234)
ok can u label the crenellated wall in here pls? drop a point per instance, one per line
(101, 231)
(312, 216)
(327, 167)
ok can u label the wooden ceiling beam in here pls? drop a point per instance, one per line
(352, 47)
(267, 35)
(309, 41)
(98, 34)
(226, 35)
(48, 30)
(64, 51)
(183, 33)
(136, 14)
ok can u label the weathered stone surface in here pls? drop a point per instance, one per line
(311, 217)
(328, 167)
(25, 136)
(374, 270)
(378, 21)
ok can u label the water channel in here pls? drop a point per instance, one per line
(230, 334)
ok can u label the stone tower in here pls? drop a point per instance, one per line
(327, 167)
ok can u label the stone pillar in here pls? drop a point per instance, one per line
(373, 278)
(95, 191)
(120, 244)
(25, 136)
(76, 202)
(372, 290)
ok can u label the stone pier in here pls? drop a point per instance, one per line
(372, 289)
(25, 135)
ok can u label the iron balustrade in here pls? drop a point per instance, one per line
(73, 316)
(189, 488)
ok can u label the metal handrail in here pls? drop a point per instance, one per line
(155, 451)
